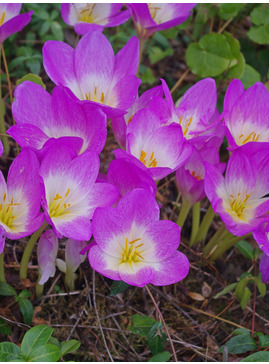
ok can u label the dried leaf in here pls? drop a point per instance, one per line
(196, 296)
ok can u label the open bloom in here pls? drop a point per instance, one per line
(47, 250)
(41, 116)
(196, 113)
(245, 115)
(240, 197)
(90, 17)
(20, 198)
(70, 194)
(161, 149)
(150, 18)
(132, 245)
(120, 123)
(92, 72)
(11, 21)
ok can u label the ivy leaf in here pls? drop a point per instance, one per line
(142, 324)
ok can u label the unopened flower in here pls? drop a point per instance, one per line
(73, 258)
(47, 250)
(92, 72)
(132, 245)
(41, 116)
(11, 21)
(150, 18)
(86, 18)
(20, 198)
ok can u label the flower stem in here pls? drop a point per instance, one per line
(2, 119)
(2, 269)
(185, 208)
(220, 233)
(70, 279)
(141, 47)
(205, 225)
(28, 251)
(226, 244)
(195, 221)
(164, 324)
(39, 288)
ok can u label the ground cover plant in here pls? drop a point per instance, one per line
(134, 182)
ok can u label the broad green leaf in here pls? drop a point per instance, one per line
(44, 27)
(246, 249)
(57, 31)
(241, 331)
(161, 357)
(16, 62)
(35, 337)
(27, 309)
(54, 341)
(148, 77)
(155, 329)
(34, 65)
(229, 10)
(259, 34)
(260, 356)
(226, 290)
(69, 346)
(200, 19)
(142, 324)
(25, 293)
(45, 353)
(9, 352)
(250, 76)
(4, 328)
(260, 15)
(261, 286)
(210, 57)
(118, 287)
(156, 344)
(263, 339)
(240, 287)
(32, 78)
(245, 298)
(237, 70)
(7, 290)
(239, 344)
(156, 54)
(41, 13)
(159, 38)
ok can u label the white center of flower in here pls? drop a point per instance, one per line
(6, 211)
(86, 14)
(59, 205)
(132, 253)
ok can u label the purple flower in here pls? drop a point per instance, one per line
(150, 145)
(261, 235)
(239, 198)
(1, 148)
(92, 72)
(150, 18)
(70, 194)
(73, 258)
(120, 123)
(40, 117)
(93, 17)
(132, 245)
(20, 198)
(10, 20)
(196, 113)
(190, 177)
(264, 268)
(47, 250)
(245, 116)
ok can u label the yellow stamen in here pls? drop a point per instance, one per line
(152, 162)
(2, 18)
(59, 209)
(238, 205)
(7, 211)
(131, 253)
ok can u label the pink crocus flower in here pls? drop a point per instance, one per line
(93, 74)
(86, 18)
(73, 258)
(47, 250)
(70, 194)
(196, 113)
(150, 18)
(160, 149)
(132, 245)
(264, 268)
(120, 123)
(239, 198)
(245, 115)
(11, 21)
(190, 177)
(20, 198)
(60, 117)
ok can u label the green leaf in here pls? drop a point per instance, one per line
(241, 331)
(44, 28)
(54, 341)
(245, 298)
(35, 337)
(240, 287)
(148, 77)
(34, 65)
(4, 328)
(261, 286)
(156, 338)
(246, 249)
(161, 357)
(239, 344)
(45, 353)
(7, 290)
(226, 290)
(27, 309)
(32, 78)
(263, 339)
(210, 57)
(16, 62)
(260, 15)
(259, 34)
(118, 287)
(238, 69)
(9, 352)
(69, 346)
(41, 13)
(156, 54)
(260, 356)
(142, 324)
(229, 10)
(250, 76)
(57, 31)
(25, 293)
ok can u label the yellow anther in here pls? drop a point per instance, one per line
(131, 253)
(61, 207)
(152, 162)
(4, 198)
(130, 119)
(2, 18)
(67, 193)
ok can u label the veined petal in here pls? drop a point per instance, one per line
(14, 25)
(138, 274)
